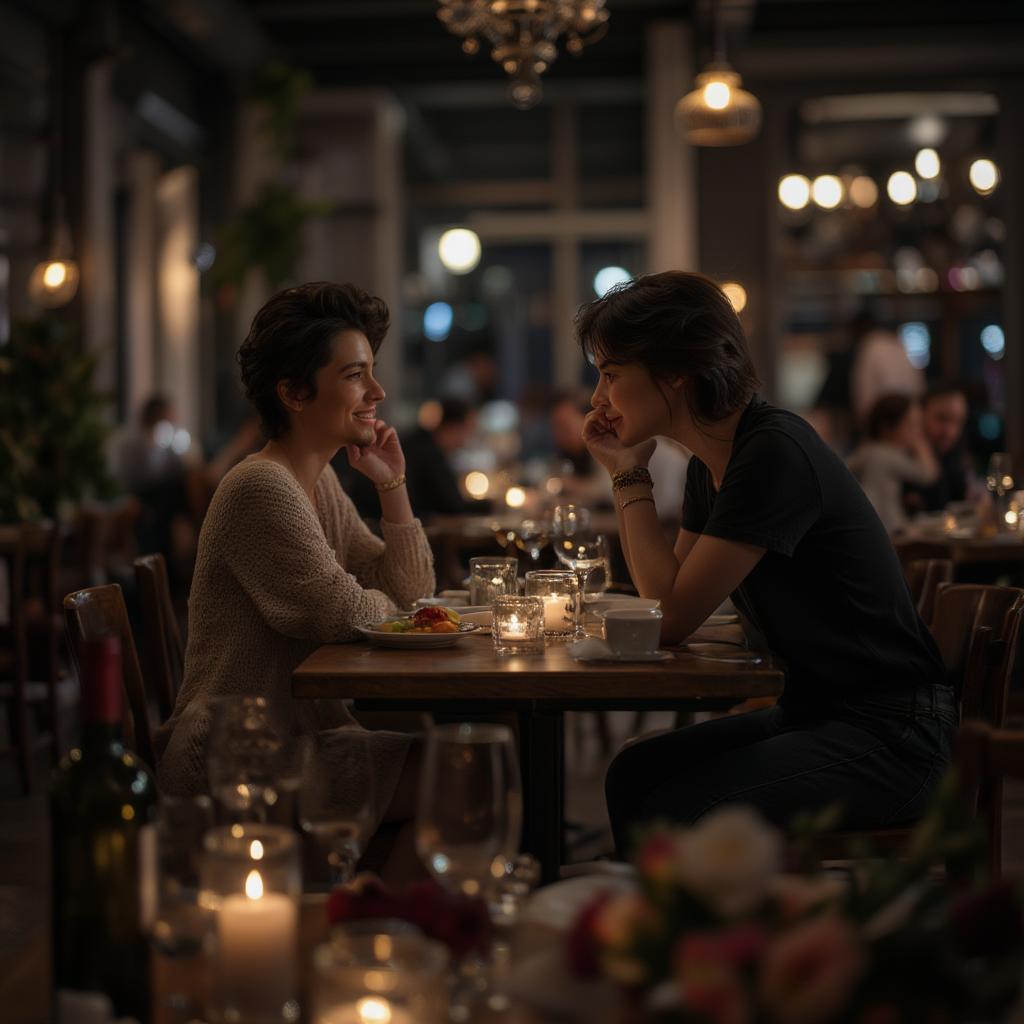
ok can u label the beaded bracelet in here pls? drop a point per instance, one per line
(629, 477)
(638, 497)
(391, 484)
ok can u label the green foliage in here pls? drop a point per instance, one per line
(267, 233)
(52, 423)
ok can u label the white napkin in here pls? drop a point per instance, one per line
(588, 649)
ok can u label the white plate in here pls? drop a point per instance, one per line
(593, 649)
(721, 620)
(600, 605)
(380, 638)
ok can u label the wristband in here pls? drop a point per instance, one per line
(629, 477)
(391, 484)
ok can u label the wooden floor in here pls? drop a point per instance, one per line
(24, 857)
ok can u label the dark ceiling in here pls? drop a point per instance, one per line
(401, 43)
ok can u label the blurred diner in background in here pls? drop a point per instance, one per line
(428, 428)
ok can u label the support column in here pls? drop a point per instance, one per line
(671, 162)
(565, 292)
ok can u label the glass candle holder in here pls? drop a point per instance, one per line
(559, 590)
(251, 882)
(517, 625)
(372, 972)
(491, 577)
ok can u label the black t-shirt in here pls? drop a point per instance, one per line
(829, 594)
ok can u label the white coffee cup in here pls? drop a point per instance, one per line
(631, 631)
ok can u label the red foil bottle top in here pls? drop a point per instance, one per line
(101, 680)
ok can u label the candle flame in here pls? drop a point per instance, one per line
(373, 1010)
(254, 885)
(256, 850)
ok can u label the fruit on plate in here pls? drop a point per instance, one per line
(434, 619)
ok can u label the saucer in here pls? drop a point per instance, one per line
(592, 649)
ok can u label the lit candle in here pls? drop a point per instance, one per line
(555, 614)
(368, 1010)
(513, 629)
(257, 936)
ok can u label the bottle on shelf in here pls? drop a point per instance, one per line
(103, 808)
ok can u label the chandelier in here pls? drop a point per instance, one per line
(523, 34)
(718, 112)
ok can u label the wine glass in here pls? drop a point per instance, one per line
(999, 475)
(584, 554)
(336, 800)
(531, 537)
(568, 520)
(469, 811)
(244, 755)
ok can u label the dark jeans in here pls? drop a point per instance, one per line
(880, 755)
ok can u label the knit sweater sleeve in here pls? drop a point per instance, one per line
(270, 539)
(402, 564)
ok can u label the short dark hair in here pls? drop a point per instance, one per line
(943, 388)
(290, 339)
(155, 409)
(886, 414)
(675, 324)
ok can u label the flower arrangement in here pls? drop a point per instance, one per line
(718, 932)
(461, 922)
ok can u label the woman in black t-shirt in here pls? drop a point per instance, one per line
(772, 517)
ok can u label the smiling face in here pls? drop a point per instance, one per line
(345, 406)
(634, 404)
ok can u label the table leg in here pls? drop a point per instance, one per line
(543, 765)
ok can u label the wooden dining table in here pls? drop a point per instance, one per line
(470, 679)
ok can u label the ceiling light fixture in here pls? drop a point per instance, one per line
(523, 34)
(718, 112)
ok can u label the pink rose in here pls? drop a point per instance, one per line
(658, 856)
(807, 973)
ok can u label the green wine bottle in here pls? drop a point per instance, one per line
(104, 804)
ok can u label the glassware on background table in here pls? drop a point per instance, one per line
(250, 765)
(490, 577)
(250, 880)
(379, 972)
(517, 625)
(569, 520)
(469, 810)
(999, 475)
(335, 807)
(559, 590)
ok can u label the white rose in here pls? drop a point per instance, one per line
(728, 859)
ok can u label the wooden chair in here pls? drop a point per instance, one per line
(925, 576)
(984, 757)
(164, 655)
(98, 611)
(975, 629)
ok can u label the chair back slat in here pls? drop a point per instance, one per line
(100, 611)
(165, 661)
(960, 610)
(925, 576)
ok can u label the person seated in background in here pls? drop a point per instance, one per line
(430, 476)
(285, 564)
(880, 367)
(894, 452)
(944, 416)
(151, 463)
(586, 483)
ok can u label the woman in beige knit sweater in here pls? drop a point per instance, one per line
(285, 564)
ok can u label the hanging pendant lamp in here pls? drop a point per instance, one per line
(718, 112)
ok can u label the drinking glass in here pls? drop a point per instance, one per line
(469, 812)
(336, 804)
(568, 520)
(999, 475)
(249, 762)
(490, 578)
(179, 924)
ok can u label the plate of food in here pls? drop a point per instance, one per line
(432, 627)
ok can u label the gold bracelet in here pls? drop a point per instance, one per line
(391, 484)
(639, 497)
(629, 477)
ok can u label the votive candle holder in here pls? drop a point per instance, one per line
(517, 625)
(559, 590)
(491, 577)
